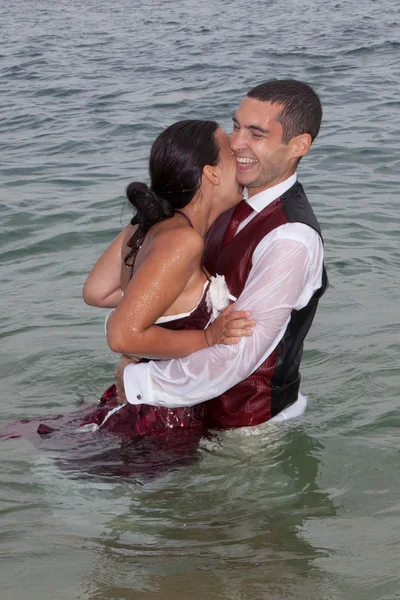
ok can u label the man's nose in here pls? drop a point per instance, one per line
(238, 141)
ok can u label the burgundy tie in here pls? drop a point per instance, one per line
(241, 212)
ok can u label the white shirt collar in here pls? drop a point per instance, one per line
(261, 200)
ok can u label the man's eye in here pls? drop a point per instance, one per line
(257, 135)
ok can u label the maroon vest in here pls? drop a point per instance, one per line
(275, 384)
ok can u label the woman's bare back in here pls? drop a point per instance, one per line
(171, 228)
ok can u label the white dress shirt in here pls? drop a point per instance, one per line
(286, 271)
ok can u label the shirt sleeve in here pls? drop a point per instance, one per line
(285, 274)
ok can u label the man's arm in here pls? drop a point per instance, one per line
(285, 274)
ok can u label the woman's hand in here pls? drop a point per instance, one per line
(229, 327)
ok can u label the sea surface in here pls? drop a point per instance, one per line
(306, 509)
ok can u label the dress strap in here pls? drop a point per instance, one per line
(206, 273)
(186, 217)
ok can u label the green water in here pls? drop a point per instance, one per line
(308, 509)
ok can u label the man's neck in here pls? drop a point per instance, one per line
(268, 194)
(252, 191)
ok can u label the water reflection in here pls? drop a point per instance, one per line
(227, 526)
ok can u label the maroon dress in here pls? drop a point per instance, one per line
(139, 419)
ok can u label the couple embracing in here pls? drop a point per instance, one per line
(224, 218)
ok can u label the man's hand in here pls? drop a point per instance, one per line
(119, 377)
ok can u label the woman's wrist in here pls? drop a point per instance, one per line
(208, 338)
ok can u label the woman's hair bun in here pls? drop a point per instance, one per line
(150, 208)
(135, 191)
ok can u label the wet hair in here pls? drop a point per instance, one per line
(177, 159)
(301, 107)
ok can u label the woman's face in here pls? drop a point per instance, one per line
(230, 191)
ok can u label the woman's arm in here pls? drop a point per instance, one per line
(102, 287)
(159, 281)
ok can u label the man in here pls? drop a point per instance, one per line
(270, 250)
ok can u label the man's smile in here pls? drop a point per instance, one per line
(245, 163)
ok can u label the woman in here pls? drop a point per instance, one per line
(152, 276)
(152, 272)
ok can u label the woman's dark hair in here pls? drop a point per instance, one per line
(177, 159)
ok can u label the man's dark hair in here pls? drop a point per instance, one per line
(301, 108)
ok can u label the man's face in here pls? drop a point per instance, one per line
(262, 159)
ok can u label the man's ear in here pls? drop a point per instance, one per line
(212, 173)
(300, 144)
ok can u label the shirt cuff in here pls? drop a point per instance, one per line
(137, 383)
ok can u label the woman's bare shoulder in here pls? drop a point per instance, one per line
(177, 237)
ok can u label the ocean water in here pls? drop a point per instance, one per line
(308, 509)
